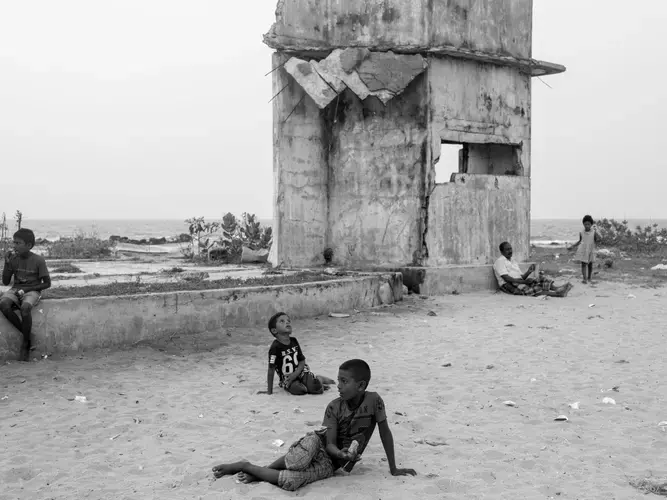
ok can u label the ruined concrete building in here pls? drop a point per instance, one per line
(367, 92)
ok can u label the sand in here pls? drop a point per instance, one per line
(158, 417)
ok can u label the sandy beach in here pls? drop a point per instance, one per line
(158, 417)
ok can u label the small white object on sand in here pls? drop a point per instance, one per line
(509, 403)
(338, 315)
(278, 443)
(608, 401)
(80, 399)
(574, 406)
(561, 418)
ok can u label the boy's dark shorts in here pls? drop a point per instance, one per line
(306, 461)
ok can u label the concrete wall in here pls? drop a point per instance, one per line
(479, 103)
(469, 217)
(74, 324)
(300, 175)
(493, 159)
(490, 26)
(376, 169)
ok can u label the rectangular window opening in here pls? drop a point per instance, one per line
(473, 158)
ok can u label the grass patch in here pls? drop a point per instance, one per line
(136, 287)
(66, 267)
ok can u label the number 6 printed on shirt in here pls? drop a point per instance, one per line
(288, 364)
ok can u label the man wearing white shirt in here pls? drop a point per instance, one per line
(512, 281)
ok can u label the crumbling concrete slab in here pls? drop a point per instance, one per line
(381, 74)
(311, 81)
(387, 74)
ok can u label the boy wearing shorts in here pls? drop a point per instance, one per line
(348, 419)
(286, 358)
(31, 276)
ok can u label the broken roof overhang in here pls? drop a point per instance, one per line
(381, 74)
(533, 67)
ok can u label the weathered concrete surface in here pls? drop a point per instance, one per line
(10, 340)
(306, 75)
(451, 279)
(493, 159)
(469, 217)
(387, 74)
(489, 26)
(299, 174)
(376, 169)
(76, 324)
(380, 74)
(480, 103)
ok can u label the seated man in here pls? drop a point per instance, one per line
(512, 281)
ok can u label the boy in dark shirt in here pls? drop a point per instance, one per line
(286, 358)
(30, 277)
(351, 417)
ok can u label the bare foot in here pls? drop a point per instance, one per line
(325, 380)
(246, 478)
(585, 282)
(228, 469)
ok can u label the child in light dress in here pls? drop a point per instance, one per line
(586, 248)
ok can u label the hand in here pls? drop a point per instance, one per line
(9, 256)
(289, 379)
(531, 268)
(20, 293)
(403, 472)
(350, 457)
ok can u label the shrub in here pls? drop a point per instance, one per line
(66, 267)
(80, 246)
(649, 239)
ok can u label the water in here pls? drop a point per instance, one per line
(543, 231)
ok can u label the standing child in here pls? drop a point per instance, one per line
(30, 277)
(286, 358)
(349, 422)
(586, 248)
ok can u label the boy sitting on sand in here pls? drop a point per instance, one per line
(30, 277)
(286, 358)
(349, 423)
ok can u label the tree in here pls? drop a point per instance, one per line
(18, 217)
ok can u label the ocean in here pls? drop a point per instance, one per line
(543, 231)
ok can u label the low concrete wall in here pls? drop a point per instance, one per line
(74, 324)
(448, 279)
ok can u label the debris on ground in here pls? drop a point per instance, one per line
(561, 418)
(650, 485)
(510, 403)
(338, 315)
(608, 401)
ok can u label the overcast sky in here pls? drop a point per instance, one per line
(158, 108)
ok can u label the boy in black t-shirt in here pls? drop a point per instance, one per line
(286, 358)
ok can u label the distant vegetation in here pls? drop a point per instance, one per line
(645, 240)
(219, 240)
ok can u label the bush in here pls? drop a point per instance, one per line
(80, 246)
(66, 267)
(616, 234)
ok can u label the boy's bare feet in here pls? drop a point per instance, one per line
(585, 282)
(246, 478)
(325, 380)
(229, 469)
